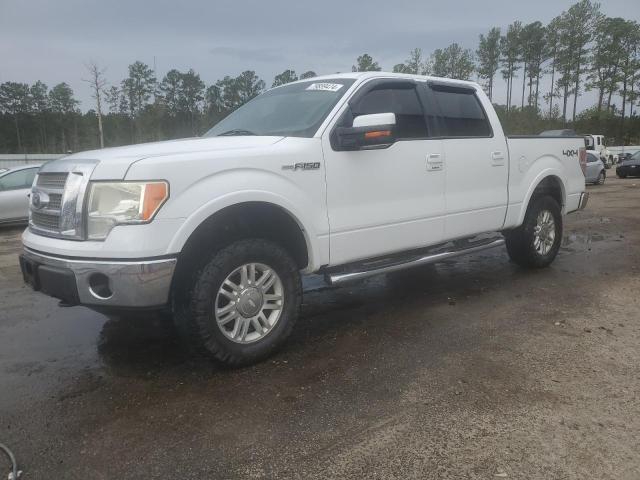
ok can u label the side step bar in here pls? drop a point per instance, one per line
(338, 278)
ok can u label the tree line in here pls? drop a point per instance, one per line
(545, 69)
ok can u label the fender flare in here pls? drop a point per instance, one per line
(542, 175)
(216, 205)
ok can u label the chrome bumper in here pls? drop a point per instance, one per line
(105, 283)
(584, 199)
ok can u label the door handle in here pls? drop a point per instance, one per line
(497, 159)
(435, 162)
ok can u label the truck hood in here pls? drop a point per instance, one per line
(113, 163)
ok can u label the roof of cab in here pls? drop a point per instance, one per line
(368, 75)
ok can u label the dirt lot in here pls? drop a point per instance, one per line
(469, 369)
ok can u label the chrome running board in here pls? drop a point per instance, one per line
(340, 277)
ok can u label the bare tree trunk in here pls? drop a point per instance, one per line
(577, 90)
(537, 94)
(15, 119)
(633, 81)
(624, 102)
(553, 76)
(100, 124)
(615, 72)
(97, 83)
(564, 106)
(524, 83)
(600, 97)
(510, 85)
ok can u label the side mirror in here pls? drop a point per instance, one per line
(376, 130)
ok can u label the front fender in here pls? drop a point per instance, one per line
(241, 185)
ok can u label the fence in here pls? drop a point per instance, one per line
(626, 148)
(14, 160)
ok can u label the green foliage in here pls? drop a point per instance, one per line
(15, 98)
(488, 55)
(452, 62)
(365, 63)
(578, 50)
(415, 64)
(285, 77)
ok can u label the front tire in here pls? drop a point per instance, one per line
(601, 178)
(243, 302)
(536, 242)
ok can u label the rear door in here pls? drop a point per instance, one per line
(388, 199)
(476, 160)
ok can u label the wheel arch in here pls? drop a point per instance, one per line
(547, 183)
(248, 219)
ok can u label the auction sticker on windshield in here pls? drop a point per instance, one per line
(325, 87)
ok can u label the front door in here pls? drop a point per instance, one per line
(14, 191)
(385, 200)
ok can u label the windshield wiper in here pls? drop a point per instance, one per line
(236, 131)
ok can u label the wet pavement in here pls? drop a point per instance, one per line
(471, 368)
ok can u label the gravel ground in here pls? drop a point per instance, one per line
(467, 369)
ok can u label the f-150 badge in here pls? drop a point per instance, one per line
(302, 166)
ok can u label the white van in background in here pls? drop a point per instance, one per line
(596, 143)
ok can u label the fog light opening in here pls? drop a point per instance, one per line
(99, 286)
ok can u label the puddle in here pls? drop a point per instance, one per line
(583, 239)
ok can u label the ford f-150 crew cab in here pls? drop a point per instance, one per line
(347, 175)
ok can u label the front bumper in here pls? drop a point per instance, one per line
(628, 170)
(100, 283)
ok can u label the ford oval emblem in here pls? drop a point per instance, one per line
(35, 200)
(39, 200)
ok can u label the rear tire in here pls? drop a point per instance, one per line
(622, 175)
(601, 178)
(234, 314)
(536, 242)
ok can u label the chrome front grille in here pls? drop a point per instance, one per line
(46, 201)
(50, 222)
(52, 180)
(57, 199)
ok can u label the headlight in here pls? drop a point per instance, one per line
(122, 203)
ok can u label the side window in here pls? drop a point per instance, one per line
(404, 102)
(461, 113)
(18, 180)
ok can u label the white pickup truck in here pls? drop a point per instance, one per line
(347, 175)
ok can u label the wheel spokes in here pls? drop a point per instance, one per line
(249, 302)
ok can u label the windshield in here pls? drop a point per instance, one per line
(635, 158)
(295, 110)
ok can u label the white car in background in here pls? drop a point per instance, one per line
(595, 172)
(15, 186)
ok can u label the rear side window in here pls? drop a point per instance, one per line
(18, 180)
(461, 113)
(404, 102)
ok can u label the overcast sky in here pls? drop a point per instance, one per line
(50, 40)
